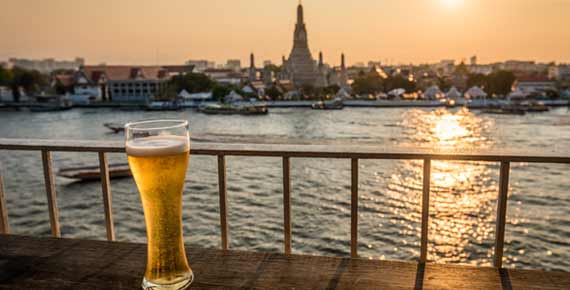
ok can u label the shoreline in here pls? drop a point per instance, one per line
(475, 104)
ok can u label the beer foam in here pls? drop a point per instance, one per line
(157, 145)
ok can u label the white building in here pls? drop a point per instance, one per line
(201, 65)
(6, 94)
(224, 76)
(534, 85)
(234, 64)
(481, 69)
(47, 65)
(559, 72)
(523, 66)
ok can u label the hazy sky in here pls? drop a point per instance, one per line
(172, 31)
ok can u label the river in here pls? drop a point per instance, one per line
(463, 202)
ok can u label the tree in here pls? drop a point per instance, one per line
(367, 84)
(273, 92)
(5, 77)
(500, 82)
(192, 82)
(479, 80)
(29, 80)
(397, 82)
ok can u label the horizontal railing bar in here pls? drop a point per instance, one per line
(302, 151)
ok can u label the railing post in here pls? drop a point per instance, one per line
(223, 201)
(354, 208)
(107, 200)
(50, 191)
(425, 210)
(501, 213)
(287, 204)
(4, 225)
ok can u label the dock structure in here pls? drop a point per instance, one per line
(44, 263)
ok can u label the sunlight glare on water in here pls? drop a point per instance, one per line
(463, 194)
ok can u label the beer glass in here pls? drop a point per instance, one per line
(158, 153)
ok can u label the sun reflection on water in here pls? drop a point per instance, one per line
(463, 194)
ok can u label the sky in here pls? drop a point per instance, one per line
(391, 31)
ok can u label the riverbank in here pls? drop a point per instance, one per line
(472, 104)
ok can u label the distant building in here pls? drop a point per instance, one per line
(224, 76)
(372, 64)
(480, 69)
(534, 85)
(234, 64)
(523, 66)
(201, 65)
(473, 60)
(47, 65)
(301, 68)
(124, 83)
(267, 63)
(559, 72)
(6, 94)
(252, 71)
(445, 66)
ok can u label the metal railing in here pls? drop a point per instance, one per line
(286, 152)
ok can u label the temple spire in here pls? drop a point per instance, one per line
(342, 63)
(251, 60)
(300, 17)
(321, 58)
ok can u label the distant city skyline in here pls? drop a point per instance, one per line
(172, 32)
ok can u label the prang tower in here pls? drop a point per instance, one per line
(301, 67)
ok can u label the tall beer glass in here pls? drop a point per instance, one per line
(158, 153)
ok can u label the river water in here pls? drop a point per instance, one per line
(462, 207)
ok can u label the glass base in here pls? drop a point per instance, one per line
(179, 285)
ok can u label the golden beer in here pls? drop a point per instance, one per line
(159, 166)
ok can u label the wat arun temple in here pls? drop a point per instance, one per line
(302, 69)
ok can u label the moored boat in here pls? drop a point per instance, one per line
(115, 127)
(228, 109)
(335, 104)
(92, 173)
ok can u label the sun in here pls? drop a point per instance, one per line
(451, 3)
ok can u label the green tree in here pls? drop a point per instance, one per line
(5, 77)
(500, 82)
(31, 81)
(479, 80)
(273, 93)
(192, 82)
(368, 84)
(397, 82)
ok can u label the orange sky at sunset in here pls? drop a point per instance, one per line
(173, 31)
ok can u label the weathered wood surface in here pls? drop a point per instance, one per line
(50, 263)
(305, 151)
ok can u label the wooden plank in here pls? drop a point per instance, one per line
(425, 210)
(223, 201)
(48, 263)
(4, 225)
(287, 205)
(304, 151)
(107, 199)
(501, 214)
(51, 193)
(354, 208)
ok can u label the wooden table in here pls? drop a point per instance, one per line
(48, 263)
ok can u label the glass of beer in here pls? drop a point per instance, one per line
(158, 153)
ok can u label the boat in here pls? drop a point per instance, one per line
(534, 107)
(93, 173)
(229, 109)
(505, 110)
(115, 127)
(335, 104)
(164, 106)
(50, 103)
